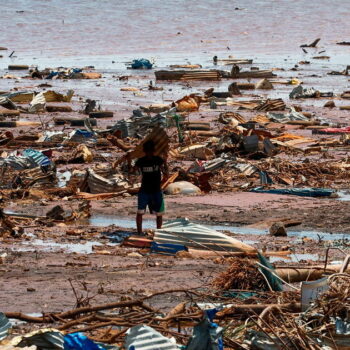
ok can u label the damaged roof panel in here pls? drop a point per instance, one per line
(182, 231)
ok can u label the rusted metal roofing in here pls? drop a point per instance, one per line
(161, 141)
(46, 338)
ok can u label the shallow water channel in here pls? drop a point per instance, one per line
(102, 220)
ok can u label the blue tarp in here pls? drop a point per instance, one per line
(64, 73)
(141, 63)
(304, 192)
(78, 341)
(84, 133)
(167, 248)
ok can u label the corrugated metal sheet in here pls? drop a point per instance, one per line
(262, 119)
(301, 92)
(201, 76)
(43, 339)
(226, 117)
(161, 142)
(17, 163)
(250, 105)
(182, 231)
(33, 173)
(19, 96)
(38, 157)
(146, 338)
(100, 184)
(245, 168)
(139, 124)
(5, 325)
(286, 117)
(217, 163)
(272, 105)
(187, 75)
(27, 96)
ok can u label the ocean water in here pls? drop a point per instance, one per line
(120, 28)
(107, 34)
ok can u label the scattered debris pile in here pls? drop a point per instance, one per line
(236, 277)
(65, 155)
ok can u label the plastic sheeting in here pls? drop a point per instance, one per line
(79, 341)
(207, 335)
(303, 192)
(182, 187)
(38, 103)
(141, 63)
(286, 117)
(274, 282)
(81, 136)
(52, 136)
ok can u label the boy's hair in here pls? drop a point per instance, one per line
(149, 146)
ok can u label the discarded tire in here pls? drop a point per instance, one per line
(102, 114)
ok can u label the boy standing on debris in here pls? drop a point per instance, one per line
(150, 194)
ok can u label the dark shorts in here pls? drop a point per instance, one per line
(154, 201)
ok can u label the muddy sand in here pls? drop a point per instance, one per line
(41, 269)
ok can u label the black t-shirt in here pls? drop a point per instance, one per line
(151, 174)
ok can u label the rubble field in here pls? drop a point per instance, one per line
(254, 249)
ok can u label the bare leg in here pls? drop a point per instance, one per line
(139, 223)
(159, 221)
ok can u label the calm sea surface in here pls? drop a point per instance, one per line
(81, 28)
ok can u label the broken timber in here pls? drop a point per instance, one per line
(187, 75)
(253, 74)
